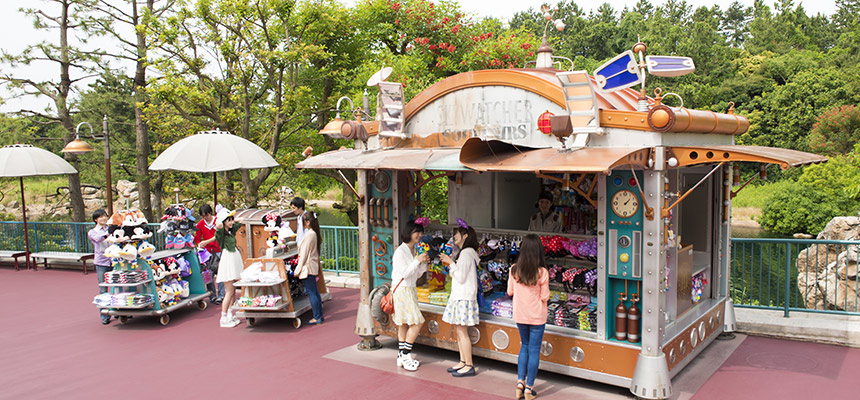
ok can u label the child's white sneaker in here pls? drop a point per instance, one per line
(227, 322)
(235, 319)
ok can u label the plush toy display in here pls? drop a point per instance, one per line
(272, 224)
(145, 249)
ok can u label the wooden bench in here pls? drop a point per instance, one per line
(62, 256)
(13, 254)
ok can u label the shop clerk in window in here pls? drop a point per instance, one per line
(545, 220)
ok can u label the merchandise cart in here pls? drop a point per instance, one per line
(197, 290)
(648, 190)
(288, 306)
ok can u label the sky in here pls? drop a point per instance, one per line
(16, 30)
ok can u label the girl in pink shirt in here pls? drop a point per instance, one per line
(528, 284)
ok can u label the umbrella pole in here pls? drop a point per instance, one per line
(26, 236)
(215, 189)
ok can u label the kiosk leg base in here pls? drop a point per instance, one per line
(364, 327)
(729, 321)
(369, 343)
(651, 378)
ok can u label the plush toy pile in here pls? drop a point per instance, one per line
(170, 286)
(128, 232)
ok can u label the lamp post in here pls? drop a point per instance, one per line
(78, 146)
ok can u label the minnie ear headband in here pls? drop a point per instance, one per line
(462, 224)
(423, 221)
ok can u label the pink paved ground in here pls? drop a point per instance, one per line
(764, 368)
(53, 346)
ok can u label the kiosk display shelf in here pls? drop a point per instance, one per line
(276, 307)
(197, 292)
(572, 306)
(259, 284)
(125, 284)
(293, 301)
(134, 307)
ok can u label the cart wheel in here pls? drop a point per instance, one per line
(251, 321)
(123, 320)
(164, 319)
(297, 323)
(202, 305)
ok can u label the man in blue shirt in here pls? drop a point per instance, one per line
(97, 236)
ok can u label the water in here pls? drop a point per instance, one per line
(333, 217)
(754, 232)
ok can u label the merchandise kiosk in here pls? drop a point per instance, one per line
(285, 294)
(640, 270)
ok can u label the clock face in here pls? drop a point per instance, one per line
(625, 203)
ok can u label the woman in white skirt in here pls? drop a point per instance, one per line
(462, 309)
(406, 269)
(230, 267)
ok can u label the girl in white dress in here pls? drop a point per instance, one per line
(406, 269)
(462, 309)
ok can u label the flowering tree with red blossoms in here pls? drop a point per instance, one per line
(442, 37)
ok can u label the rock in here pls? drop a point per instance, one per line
(88, 191)
(853, 254)
(841, 228)
(802, 236)
(123, 186)
(816, 257)
(14, 204)
(846, 268)
(93, 204)
(840, 294)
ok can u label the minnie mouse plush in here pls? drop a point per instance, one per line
(272, 224)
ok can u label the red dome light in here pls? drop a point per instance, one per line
(544, 124)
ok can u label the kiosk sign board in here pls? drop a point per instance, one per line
(490, 112)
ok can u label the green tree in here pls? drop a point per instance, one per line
(837, 131)
(75, 63)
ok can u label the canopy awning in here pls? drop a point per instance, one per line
(785, 158)
(415, 159)
(497, 156)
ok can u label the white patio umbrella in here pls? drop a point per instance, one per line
(20, 160)
(213, 151)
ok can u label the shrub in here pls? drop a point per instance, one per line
(821, 192)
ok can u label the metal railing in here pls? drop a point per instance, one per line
(56, 236)
(796, 275)
(339, 249)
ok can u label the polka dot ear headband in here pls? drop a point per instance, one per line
(423, 221)
(462, 224)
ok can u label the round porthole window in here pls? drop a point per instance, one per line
(577, 354)
(500, 339)
(433, 327)
(474, 334)
(545, 348)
